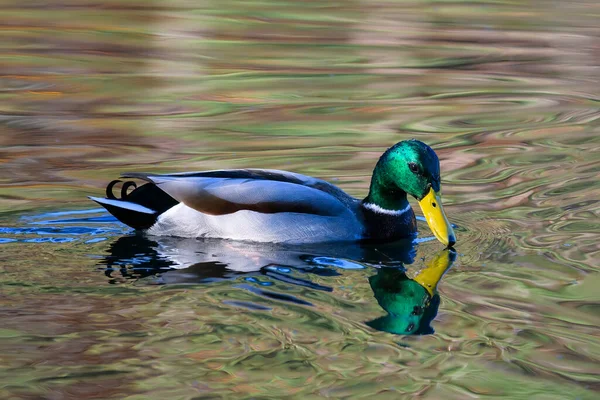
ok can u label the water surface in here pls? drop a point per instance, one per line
(505, 92)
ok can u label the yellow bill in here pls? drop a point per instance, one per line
(432, 208)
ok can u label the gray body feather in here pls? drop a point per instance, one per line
(256, 205)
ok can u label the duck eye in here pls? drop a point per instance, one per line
(413, 167)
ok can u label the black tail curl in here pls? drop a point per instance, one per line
(147, 195)
(124, 189)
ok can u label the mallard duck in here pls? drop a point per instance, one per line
(278, 206)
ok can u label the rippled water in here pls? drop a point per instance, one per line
(506, 92)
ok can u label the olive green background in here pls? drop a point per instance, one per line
(505, 91)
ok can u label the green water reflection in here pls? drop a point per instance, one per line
(410, 304)
(505, 92)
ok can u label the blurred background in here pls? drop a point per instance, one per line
(506, 92)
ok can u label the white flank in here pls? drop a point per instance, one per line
(183, 221)
(377, 209)
(123, 204)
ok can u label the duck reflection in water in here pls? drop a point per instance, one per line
(411, 303)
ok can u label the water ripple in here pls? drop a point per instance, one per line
(508, 99)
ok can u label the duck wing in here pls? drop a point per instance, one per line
(265, 191)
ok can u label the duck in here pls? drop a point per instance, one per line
(267, 205)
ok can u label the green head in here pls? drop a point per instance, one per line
(411, 167)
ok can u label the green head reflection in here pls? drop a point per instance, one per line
(411, 304)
